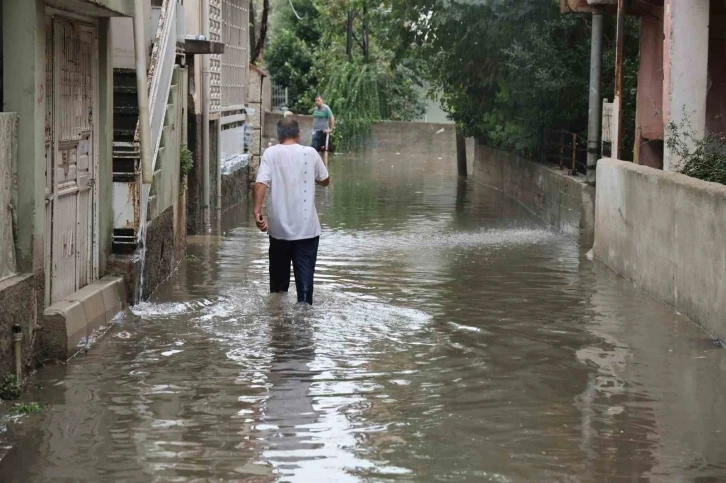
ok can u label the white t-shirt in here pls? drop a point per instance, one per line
(290, 172)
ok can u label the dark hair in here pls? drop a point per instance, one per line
(287, 128)
(319, 97)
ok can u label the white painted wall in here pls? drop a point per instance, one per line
(685, 76)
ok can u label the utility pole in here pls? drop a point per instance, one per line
(619, 56)
(595, 108)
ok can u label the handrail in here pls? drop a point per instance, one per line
(161, 68)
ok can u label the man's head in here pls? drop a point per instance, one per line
(319, 100)
(288, 129)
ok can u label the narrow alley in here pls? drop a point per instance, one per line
(455, 338)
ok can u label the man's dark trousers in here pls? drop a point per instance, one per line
(303, 254)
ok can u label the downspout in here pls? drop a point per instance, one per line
(205, 121)
(219, 170)
(595, 110)
(142, 88)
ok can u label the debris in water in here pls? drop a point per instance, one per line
(718, 342)
(440, 131)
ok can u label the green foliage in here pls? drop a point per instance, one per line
(510, 70)
(309, 56)
(289, 59)
(9, 387)
(27, 408)
(186, 161)
(703, 158)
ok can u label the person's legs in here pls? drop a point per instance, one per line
(280, 257)
(304, 257)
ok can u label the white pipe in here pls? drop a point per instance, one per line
(142, 88)
(205, 121)
(219, 168)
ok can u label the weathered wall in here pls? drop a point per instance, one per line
(194, 220)
(666, 232)
(160, 251)
(21, 299)
(24, 93)
(562, 201)
(8, 190)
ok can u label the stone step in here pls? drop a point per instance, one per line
(69, 324)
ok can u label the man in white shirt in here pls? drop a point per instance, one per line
(290, 172)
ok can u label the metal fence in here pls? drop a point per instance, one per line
(8, 153)
(279, 97)
(568, 150)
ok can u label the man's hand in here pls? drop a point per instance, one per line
(261, 222)
(328, 131)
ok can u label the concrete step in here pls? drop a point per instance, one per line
(69, 324)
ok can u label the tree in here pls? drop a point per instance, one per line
(340, 48)
(509, 70)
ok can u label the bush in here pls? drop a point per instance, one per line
(186, 161)
(703, 158)
(9, 387)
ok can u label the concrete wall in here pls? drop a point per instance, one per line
(23, 33)
(562, 201)
(411, 137)
(666, 232)
(21, 299)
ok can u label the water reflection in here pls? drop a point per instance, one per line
(455, 338)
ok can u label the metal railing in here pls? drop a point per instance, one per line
(568, 150)
(279, 97)
(161, 70)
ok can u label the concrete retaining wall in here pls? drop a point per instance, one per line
(667, 233)
(564, 202)
(417, 137)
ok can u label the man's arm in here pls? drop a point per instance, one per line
(322, 177)
(332, 121)
(260, 192)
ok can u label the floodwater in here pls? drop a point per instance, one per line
(454, 339)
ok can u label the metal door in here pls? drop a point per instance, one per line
(72, 98)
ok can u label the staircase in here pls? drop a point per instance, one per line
(131, 199)
(126, 162)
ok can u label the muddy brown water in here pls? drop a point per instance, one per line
(454, 338)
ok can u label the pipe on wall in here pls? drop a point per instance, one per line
(219, 169)
(595, 109)
(142, 88)
(206, 220)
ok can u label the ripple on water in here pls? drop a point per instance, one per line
(453, 339)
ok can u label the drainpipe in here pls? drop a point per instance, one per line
(205, 121)
(595, 110)
(219, 169)
(142, 88)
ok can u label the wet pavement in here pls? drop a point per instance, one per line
(454, 338)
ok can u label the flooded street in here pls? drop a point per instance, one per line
(454, 338)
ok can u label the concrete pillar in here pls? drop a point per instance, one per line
(24, 93)
(685, 70)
